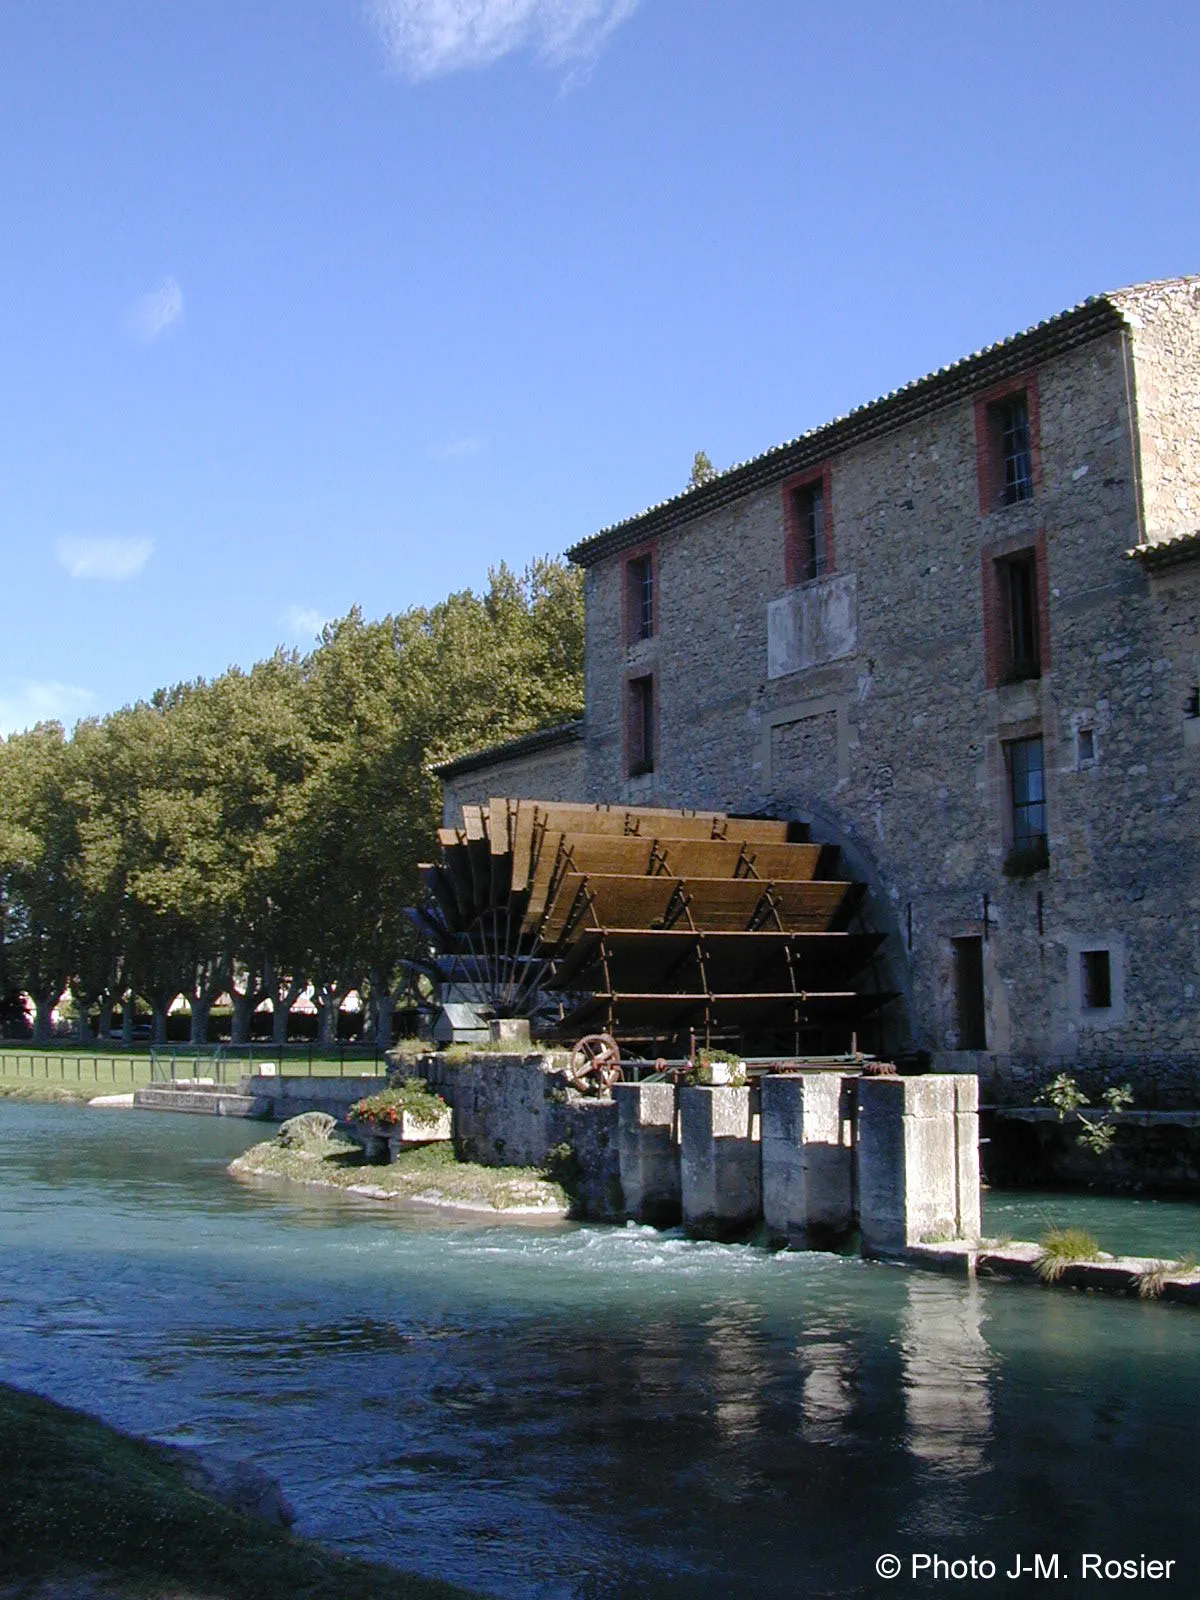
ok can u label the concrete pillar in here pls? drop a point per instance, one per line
(966, 1132)
(648, 1152)
(807, 1157)
(918, 1161)
(720, 1165)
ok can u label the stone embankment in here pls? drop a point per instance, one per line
(813, 1157)
(1020, 1261)
(1152, 1152)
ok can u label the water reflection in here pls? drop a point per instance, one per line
(946, 1367)
(581, 1413)
(826, 1389)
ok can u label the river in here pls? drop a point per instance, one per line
(579, 1412)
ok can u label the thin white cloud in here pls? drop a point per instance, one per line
(456, 449)
(303, 622)
(426, 38)
(34, 701)
(111, 560)
(156, 311)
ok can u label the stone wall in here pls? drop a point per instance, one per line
(896, 747)
(1151, 1152)
(517, 1111)
(553, 773)
(1164, 323)
(286, 1097)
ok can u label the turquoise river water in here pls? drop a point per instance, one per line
(584, 1413)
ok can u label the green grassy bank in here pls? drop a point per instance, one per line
(82, 1500)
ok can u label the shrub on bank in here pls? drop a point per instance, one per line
(384, 1110)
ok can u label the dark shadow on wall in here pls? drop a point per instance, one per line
(891, 1033)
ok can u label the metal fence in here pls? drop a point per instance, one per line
(54, 1066)
(221, 1066)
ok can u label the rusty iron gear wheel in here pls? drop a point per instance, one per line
(595, 1063)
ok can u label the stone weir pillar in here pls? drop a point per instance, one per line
(720, 1165)
(808, 1157)
(918, 1161)
(648, 1151)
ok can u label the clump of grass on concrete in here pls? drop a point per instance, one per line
(429, 1173)
(1062, 1248)
(116, 1517)
(1152, 1280)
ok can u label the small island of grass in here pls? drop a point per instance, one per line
(430, 1174)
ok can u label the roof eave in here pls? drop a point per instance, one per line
(1093, 319)
(1174, 552)
(525, 744)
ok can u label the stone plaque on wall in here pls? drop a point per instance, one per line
(812, 624)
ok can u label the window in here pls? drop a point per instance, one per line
(1018, 594)
(1015, 455)
(809, 510)
(1095, 980)
(639, 598)
(1007, 439)
(640, 746)
(809, 524)
(1026, 776)
(1085, 747)
(970, 1014)
(1016, 599)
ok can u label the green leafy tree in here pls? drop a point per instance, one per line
(703, 470)
(42, 888)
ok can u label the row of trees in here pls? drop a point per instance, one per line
(259, 834)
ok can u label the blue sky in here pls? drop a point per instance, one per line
(305, 303)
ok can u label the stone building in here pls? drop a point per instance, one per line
(958, 632)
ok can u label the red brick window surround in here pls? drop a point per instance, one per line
(808, 526)
(639, 594)
(1016, 612)
(641, 725)
(1008, 443)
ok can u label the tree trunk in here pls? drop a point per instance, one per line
(127, 1012)
(201, 1005)
(281, 1005)
(158, 1030)
(327, 1014)
(383, 1011)
(43, 1027)
(244, 1006)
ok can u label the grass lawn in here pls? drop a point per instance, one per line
(82, 1500)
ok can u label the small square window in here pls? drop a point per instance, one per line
(641, 726)
(1095, 980)
(1085, 744)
